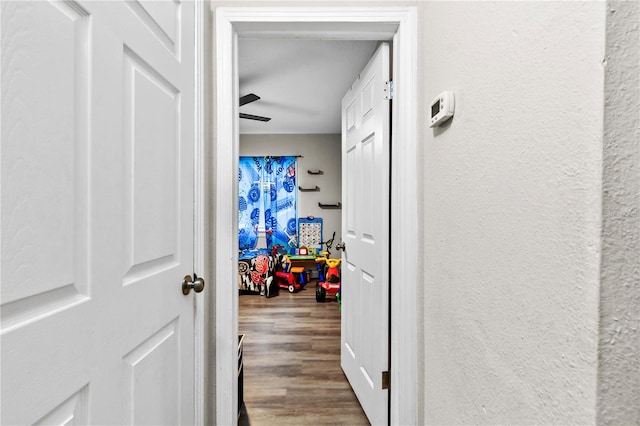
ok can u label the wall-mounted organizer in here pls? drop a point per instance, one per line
(330, 206)
(310, 232)
(315, 172)
(314, 189)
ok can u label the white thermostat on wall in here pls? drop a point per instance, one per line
(442, 108)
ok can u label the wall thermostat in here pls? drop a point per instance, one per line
(442, 108)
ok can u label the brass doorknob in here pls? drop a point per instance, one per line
(189, 283)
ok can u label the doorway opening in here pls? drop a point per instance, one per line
(291, 349)
(398, 24)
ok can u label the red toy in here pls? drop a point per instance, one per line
(332, 282)
(293, 279)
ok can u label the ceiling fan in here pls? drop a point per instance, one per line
(251, 97)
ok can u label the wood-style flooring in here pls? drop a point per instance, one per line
(292, 373)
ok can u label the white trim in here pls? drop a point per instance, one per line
(404, 219)
(199, 217)
(404, 345)
(226, 224)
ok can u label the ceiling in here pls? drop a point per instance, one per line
(301, 82)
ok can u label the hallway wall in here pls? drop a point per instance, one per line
(619, 346)
(514, 263)
(512, 212)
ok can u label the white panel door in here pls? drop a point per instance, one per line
(97, 212)
(365, 231)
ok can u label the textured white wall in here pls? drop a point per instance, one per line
(619, 372)
(318, 152)
(512, 212)
(513, 202)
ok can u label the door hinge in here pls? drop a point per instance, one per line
(386, 380)
(388, 90)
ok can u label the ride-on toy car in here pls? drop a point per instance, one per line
(330, 279)
(291, 278)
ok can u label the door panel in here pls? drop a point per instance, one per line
(97, 212)
(44, 264)
(74, 410)
(151, 119)
(365, 262)
(162, 18)
(151, 379)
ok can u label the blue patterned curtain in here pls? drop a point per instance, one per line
(250, 202)
(268, 191)
(280, 201)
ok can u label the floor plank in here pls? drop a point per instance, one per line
(292, 373)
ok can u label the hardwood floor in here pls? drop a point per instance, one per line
(292, 373)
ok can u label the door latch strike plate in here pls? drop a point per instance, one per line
(386, 380)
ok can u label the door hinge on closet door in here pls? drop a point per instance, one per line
(386, 379)
(388, 90)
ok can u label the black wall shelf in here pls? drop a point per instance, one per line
(314, 189)
(330, 206)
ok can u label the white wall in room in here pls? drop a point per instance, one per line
(512, 212)
(319, 151)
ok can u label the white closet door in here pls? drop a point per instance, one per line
(97, 212)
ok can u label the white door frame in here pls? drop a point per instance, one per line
(347, 23)
(199, 213)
